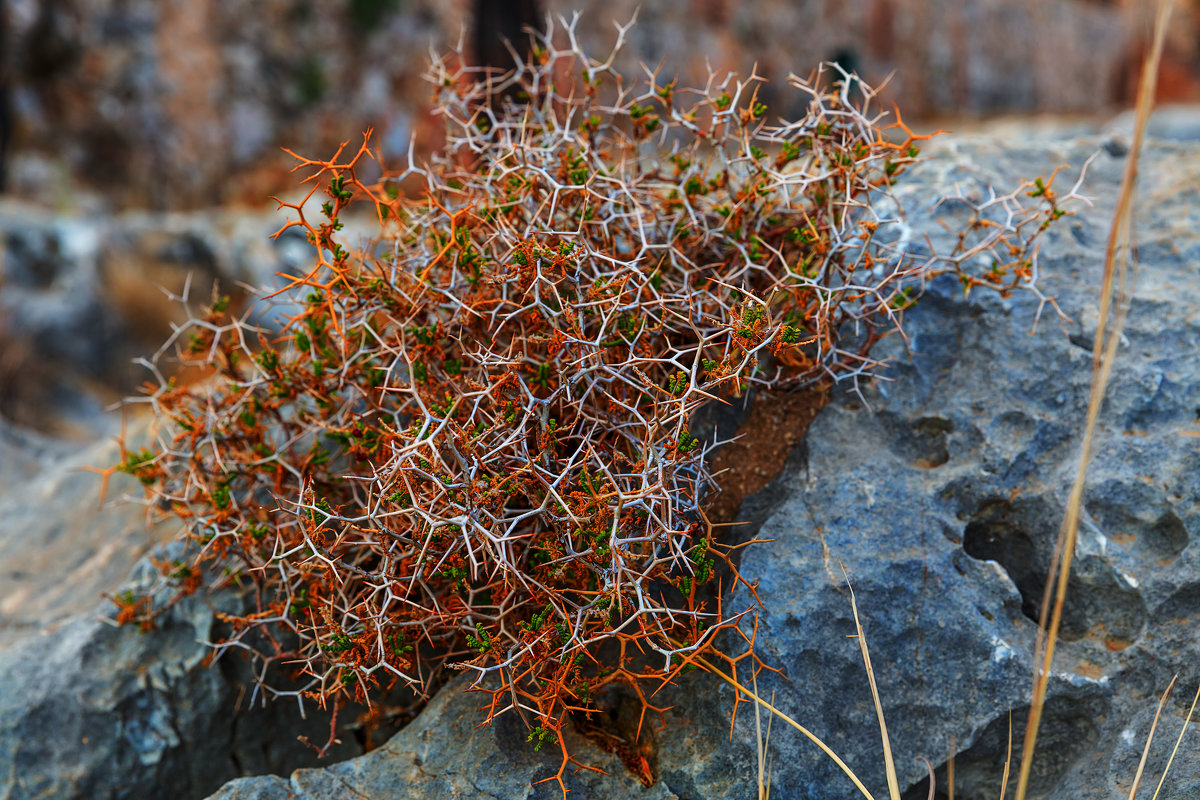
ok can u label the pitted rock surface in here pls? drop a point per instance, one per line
(939, 495)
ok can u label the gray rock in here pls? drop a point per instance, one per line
(91, 710)
(1178, 122)
(85, 295)
(62, 550)
(25, 453)
(445, 753)
(96, 711)
(940, 494)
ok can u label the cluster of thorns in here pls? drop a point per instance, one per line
(470, 448)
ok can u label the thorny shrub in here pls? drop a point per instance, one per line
(471, 445)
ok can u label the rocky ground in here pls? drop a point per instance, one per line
(938, 492)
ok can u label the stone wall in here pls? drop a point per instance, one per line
(174, 103)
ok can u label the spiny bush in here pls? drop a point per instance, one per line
(471, 448)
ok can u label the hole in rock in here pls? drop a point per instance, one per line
(1067, 733)
(1137, 516)
(920, 442)
(1020, 536)
(996, 534)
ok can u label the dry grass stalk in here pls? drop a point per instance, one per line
(1137, 778)
(889, 763)
(812, 737)
(1107, 338)
(1174, 750)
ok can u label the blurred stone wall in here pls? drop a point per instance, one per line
(185, 103)
(171, 103)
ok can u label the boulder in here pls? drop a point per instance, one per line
(96, 711)
(937, 494)
(62, 549)
(941, 492)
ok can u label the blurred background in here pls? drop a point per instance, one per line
(140, 139)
